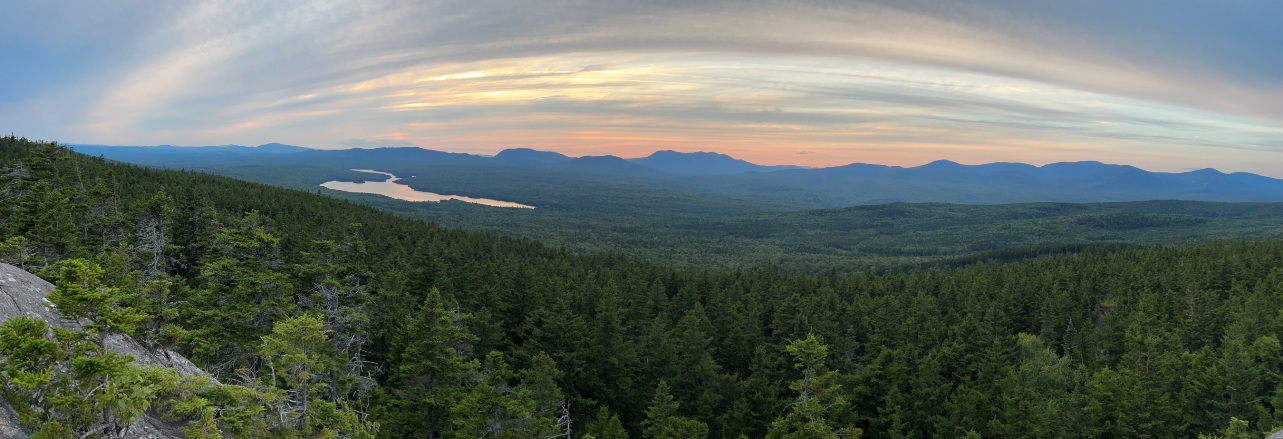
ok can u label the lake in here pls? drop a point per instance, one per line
(390, 188)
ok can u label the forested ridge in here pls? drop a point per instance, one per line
(678, 225)
(322, 318)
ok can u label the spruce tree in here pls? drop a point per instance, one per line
(605, 425)
(242, 293)
(818, 393)
(664, 422)
(431, 366)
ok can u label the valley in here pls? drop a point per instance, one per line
(685, 214)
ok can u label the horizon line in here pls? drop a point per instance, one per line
(802, 167)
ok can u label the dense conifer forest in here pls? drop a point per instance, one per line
(323, 318)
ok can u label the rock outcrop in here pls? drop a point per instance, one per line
(24, 294)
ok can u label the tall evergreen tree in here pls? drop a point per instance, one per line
(242, 292)
(664, 422)
(818, 393)
(297, 358)
(432, 364)
(605, 425)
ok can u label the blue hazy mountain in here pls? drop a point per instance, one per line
(994, 183)
(607, 165)
(279, 148)
(530, 156)
(719, 174)
(383, 158)
(164, 152)
(702, 163)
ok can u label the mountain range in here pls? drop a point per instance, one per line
(796, 186)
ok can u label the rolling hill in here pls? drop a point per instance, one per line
(845, 218)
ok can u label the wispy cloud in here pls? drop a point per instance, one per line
(1167, 84)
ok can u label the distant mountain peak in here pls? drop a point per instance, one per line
(280, 148)
(600, 159)
(701, 163)
(942, 164)
(533, 155)
(1077, 164)
(604, 164)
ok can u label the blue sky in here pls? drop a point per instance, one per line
(1164, 85)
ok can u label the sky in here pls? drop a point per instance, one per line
(1168, 85)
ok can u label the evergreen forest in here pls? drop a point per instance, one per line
(318, 317)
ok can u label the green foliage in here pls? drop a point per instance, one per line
(79, 293)
(818, 393)
(28, 358)
(13, 251)
(664, 422)
(494, 408)
(297, 356)
(210, 410)
(379, 326)
(62, 384)
(701, 224)
(242, 292)
(605, 425)
(1238, 429)
(432, 359)
(338, 293)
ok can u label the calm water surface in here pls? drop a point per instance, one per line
(390, 188)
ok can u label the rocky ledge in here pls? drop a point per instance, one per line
(24, 294)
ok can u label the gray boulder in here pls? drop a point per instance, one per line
(24, 294)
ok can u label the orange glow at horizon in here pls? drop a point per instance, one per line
(627, 144)
(810, 83)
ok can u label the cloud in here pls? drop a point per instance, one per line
(1177, 80)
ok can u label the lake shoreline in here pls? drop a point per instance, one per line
(392, 189)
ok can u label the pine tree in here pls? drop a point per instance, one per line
(431, 364)
(605, 425)
(694, 373)
(80, 295)
(494, 408)
(297, 357)
(663, 421)
(103, 226)
(817, 395)
(153, 248)
(68, 384)
(336, 289)
(550, 414)
(14, 251)
(243, 292)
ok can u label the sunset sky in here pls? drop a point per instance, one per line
(1164, 85)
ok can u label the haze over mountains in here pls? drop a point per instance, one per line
(714, 173)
